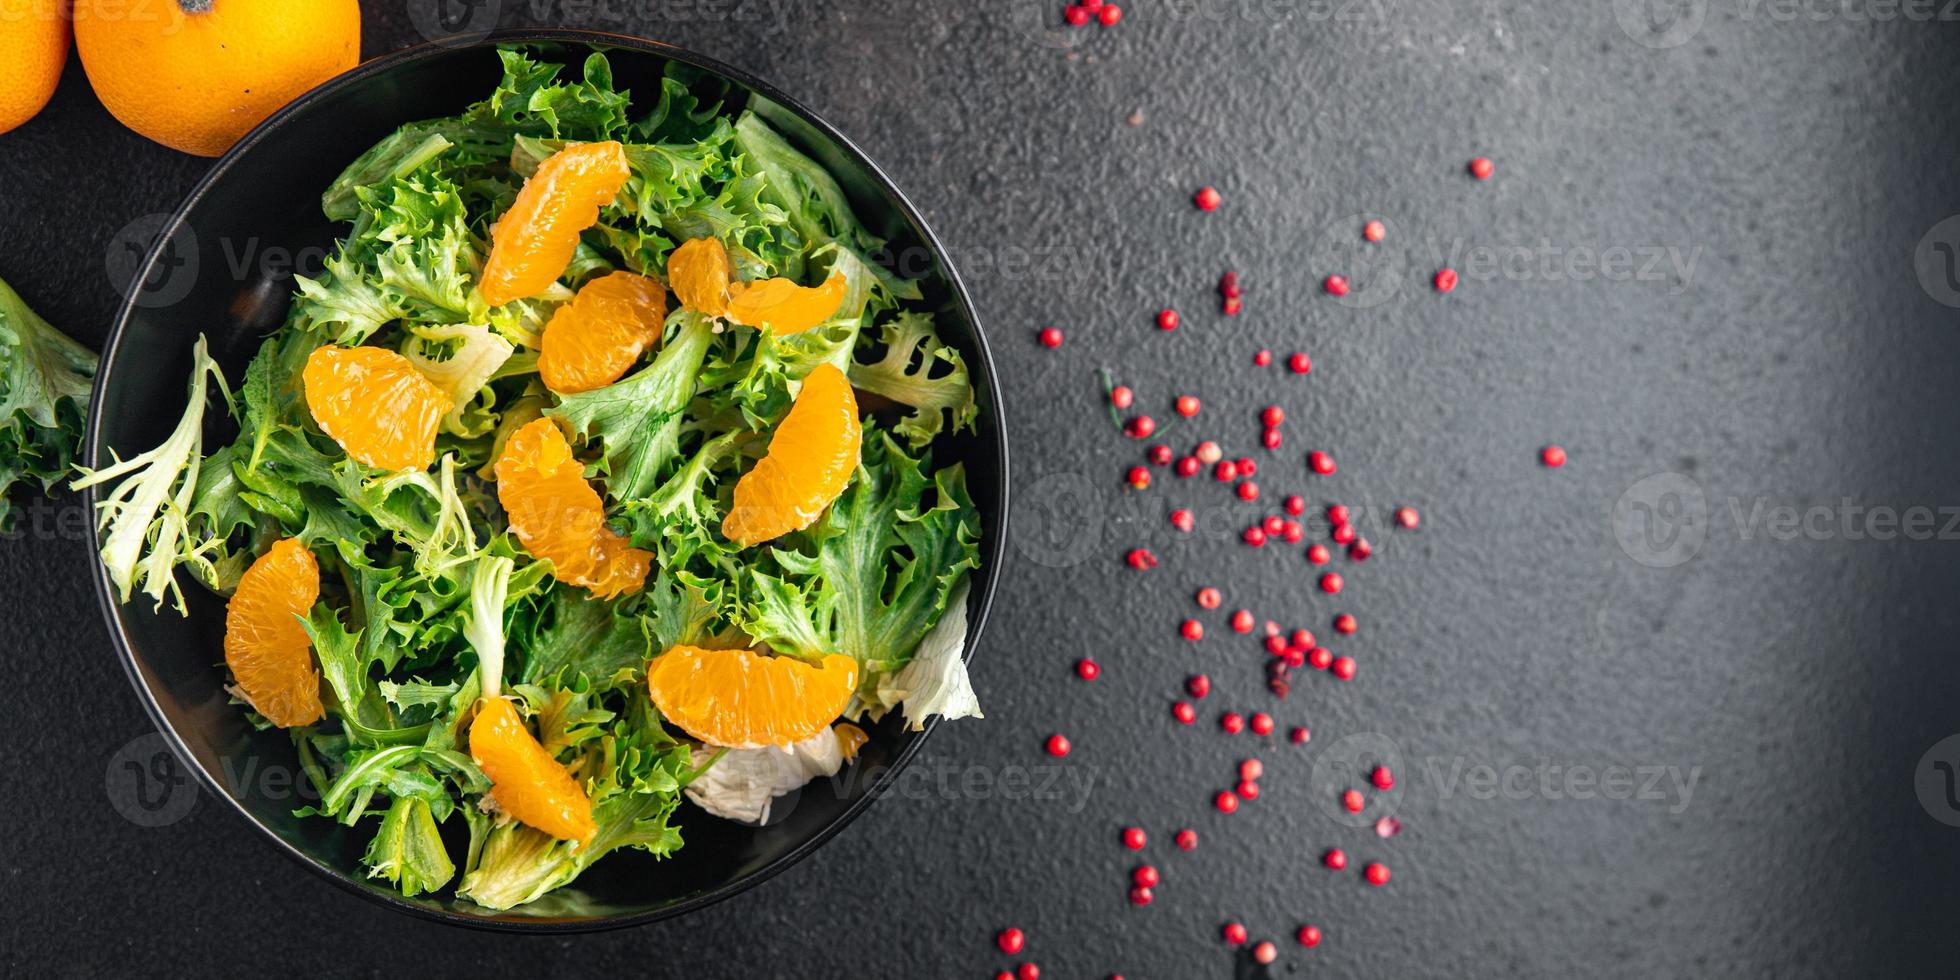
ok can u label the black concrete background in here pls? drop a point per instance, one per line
(1800, 155)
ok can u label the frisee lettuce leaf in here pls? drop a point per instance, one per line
(44, 386)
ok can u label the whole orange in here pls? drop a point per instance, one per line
(33, 47)
(195, 75)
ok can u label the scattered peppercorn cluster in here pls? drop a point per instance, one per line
(1289, 651)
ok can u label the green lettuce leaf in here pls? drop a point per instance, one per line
(44, 387)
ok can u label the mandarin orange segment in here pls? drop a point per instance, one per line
(850, 738)
(525, 780)
(811, 457)
(596, 338)
(698, 274)
(557, 515)
(746, 700)
(266, 647)
(534, 240)
(783, 306)
(374, 403)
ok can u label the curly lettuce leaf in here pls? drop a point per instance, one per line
(44, 386)
(638, 419)
(920, 371)
(885, 562)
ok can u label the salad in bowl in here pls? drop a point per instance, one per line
(592, 477)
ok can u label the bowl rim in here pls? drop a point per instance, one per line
(993, 546)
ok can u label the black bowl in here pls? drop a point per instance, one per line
(222, 265)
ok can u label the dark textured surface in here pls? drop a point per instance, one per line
(1801, 676)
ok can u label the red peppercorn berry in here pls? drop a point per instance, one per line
(1383, 779)
(1197, 685)
(1140, 559)
(1208, 452)
(1343, 668)
(1232, 722)
(1308, 936)
(1300, 735)
(1145, 876)
(1345, 534)
(1122, 397)
(1351, 800)
(1206, 199)
(1233, 934)
(1261, 723)
(1374, 231)
(1246, 491)
(1182, 520)
(1159, 455)
(1183, 712)
(1299, 363)
(1320, 462)
(1049, 337)
(1141, 896)
(1262, 358)
(1330, 582)
(1318, 554)
(1192, 630)
(1109, 15)
(1140, 427)
(1011, 940)
(1209, 598)
(1186, 405)
(1445, 280)
(1138, 478)
(1226, 801)
(1058, 745)
(1225, 471)
(1251, 769)
(1320, 658)
(1552, 456)
(1087, 669)
(1407, 518)
(1481, 168)
(1376, 873)
(1360, 550)
(1188, 466)
(1248, 790)
(1265, 952)
(1167, 319)
(1335, 285)
(1335, 859)
(1254, 536)
(1346, 624)
(1271, 438)
(1187, 839)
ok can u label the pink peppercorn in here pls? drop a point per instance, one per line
(1351, 800)
(1251, 769)
(1296, 505)
(1254, 536)
(1187, 839)
(1335, 859)
(1345, 534)
(1049, 337)
(1208, 452)
(1248, 790)
(1159, 455)
(1330, 582)
(1271, 438)
(1232, 722)
(1140, 559)
(1376, 873)
(1188, 466)
(1183, 712)
(1246, 491)
(1274, 525)
(1142, 896)
(1226, 801)
(1335, 285)
(1138, 478)
(1186, 405)
(1076, 17)
(1087, 669)
(1122, 397)
(1374, 231)
(1300, 735)
(1233, 934)
(1382, 778)
(1320, 658)
(1167, 319)
(1225, 471)
(1299, 363)
(1445, 280)
(1265, 952)
(1344, 667)
(1272, 416)
(1346, 624)
(1320, 462)
(1292, 531)
(1058, 745)
(1182, 520)
(1134, 838)
(1261, 723)
(1481, 168)
(1262, 357)
(1360, 549)
(1407, 518)
(1309, 936)
(1209, 598)
(1145, 876)
(1318, 554)
(1110, 15)
(1206, 199)
(1197, 685)
(1192, 630)
(1011, 940)
(1552, 456)
(1140, 427)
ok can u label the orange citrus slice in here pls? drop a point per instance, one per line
(534, 240)
(698, 274)
(593, 340)
(811, 457)
(266, 647)
(746, 700)
(783, 306)
(374, 403)
(525, 780)
(557, 515)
